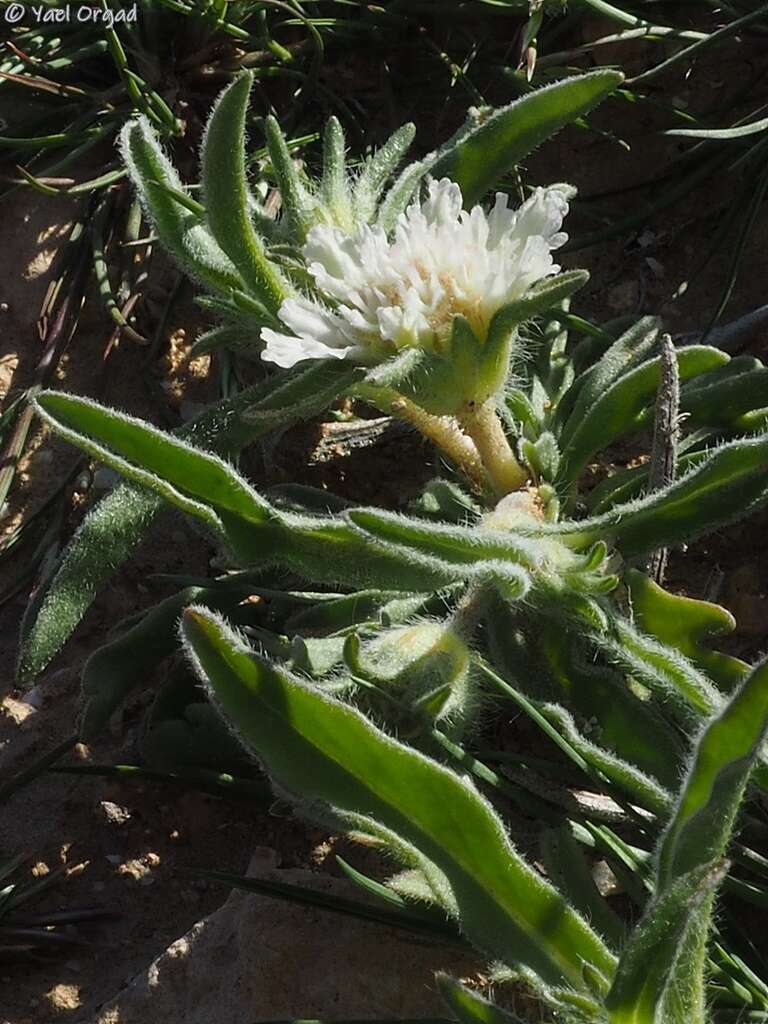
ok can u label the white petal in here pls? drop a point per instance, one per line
(328, 246)
(535, 263)
(444, 203)
(501, 220)
(286, 351)
(312, 321)
(543, 214)
(391, 323)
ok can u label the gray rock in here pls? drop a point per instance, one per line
(259, 959)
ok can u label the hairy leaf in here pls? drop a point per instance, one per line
(490, 145)
(180, 231)
(626, 405)
(114, 528)
(324, 752)
(724, 757)
(687, 625)
(225, 187)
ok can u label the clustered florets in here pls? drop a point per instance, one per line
(375, 296)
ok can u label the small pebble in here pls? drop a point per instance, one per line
(83, 482)
(104, 479)
(114, 813)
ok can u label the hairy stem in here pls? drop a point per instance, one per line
(443, 431)
(484, 427)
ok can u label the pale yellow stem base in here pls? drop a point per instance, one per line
(443, 431)
(484, 427)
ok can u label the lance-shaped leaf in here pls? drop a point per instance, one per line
(627, 404)
(341, 612)
(669, 675)
(377, 169)
(649, 958)
(641, 787)
(327, 753)
(180, 230)
(726, 486)
(188, 477)
(117, 524)
(296, 201)
(690, 866)
(687, 625)
(334, 184)
(225, 187)
(725, 755)
(454, 544)
(630, 349)
(489, 145)
(628, 725)
(402, 191)
(208, 488)
(331, 552)
(724, 400)
(627, 484)
(541, 298)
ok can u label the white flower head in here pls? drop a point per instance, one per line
(381, 295)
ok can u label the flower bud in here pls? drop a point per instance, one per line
(425, 668)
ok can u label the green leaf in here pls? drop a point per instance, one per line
(225, 187)
(192, 479)
(296, 397)
(205, 486)
(488, 146)
(624, 777)
(117, 524)
(538, 300)
(727, 486)
(649, 957)
(626, 724)
(626, 405)
(402, 191)
(331, 552)
(328, 754)
(468, 1007)
(722, 402)
(669, 675)
(631, 348)
(377, 170)
(627, 484)
(296, 202)
(687, 625)
(349, 610)
(103, 542)
(454, 544)
(725, 754)
(334, 186)
(179, 230)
